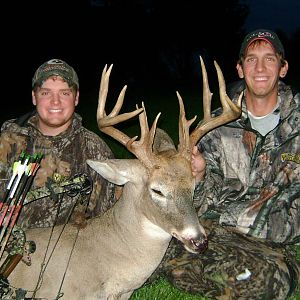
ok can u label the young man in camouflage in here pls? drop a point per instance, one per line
(249, 193)
(56, 131)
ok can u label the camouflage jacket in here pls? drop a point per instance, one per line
(252, 181)
(65, 156)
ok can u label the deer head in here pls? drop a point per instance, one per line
(163, 173)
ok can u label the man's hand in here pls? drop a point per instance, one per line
(198, 164)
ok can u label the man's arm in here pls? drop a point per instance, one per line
(198, 165)
(209, 179)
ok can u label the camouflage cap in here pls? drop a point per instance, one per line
(262, 34)
(55, 67)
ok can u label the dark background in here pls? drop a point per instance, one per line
(153, 44)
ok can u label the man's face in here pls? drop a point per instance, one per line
(261, 69)
(55, 103)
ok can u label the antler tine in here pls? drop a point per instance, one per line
(207, 94)
(152, 132)
(143, 123)
(105, 122)
(143, 148)
(231, 111)
(147, 137)
(184, 126)
(103, 92)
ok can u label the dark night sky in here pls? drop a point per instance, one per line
(273, 14)
(87, 40)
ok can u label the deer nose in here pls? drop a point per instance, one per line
(199, 245)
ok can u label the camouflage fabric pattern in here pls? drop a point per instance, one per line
(78, 184)
(233, 266)
(65, 155)
(251, 195)
(253, 182)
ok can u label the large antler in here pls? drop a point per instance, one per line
(231, 111)
(142, 149)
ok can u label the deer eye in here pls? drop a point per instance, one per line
(158, 192)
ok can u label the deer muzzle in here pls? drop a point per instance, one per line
(193, 245)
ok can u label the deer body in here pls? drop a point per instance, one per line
(116, 253)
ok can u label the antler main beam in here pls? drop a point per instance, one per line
(231, 111)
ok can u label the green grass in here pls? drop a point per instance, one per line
(162, 290)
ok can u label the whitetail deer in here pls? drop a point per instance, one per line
(116, 252)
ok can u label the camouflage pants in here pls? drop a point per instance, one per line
(233, 267)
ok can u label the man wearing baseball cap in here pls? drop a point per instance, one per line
(261, 65)
(248, 196)
(56, 131)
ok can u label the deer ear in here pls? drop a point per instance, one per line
(117, 171)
